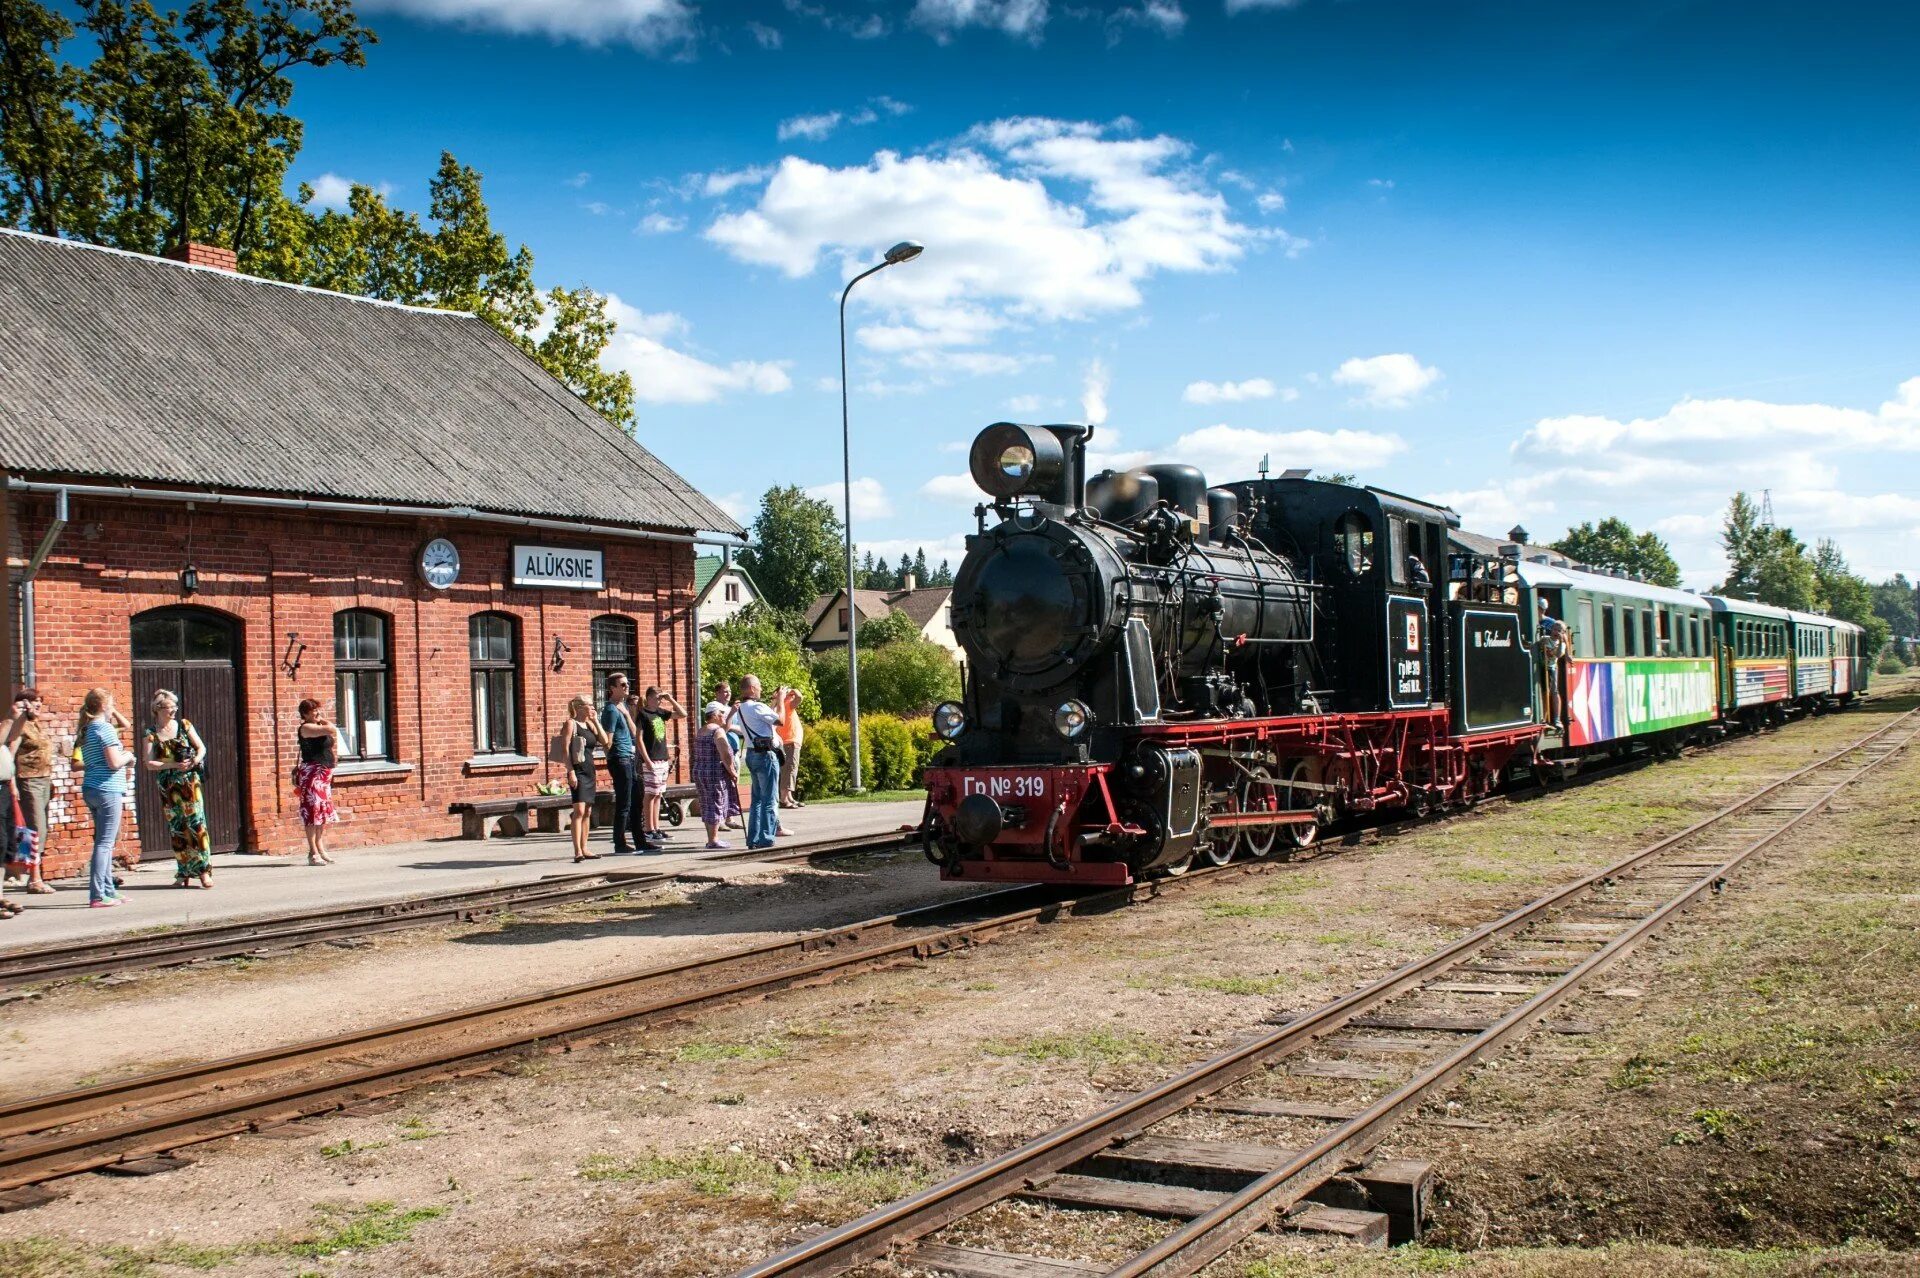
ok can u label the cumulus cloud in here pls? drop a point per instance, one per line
(661, 224)
(765, 36)
(1270, 202)
(1248, 6)
(954, 488)
(811, 127)
(650, 25)
(723, 182)
(331, 191)
(1022, 19)
(1164, 16)
(1895, 425)
(1386, 381)
(665, 375)
(1028, 220)
(1233, 392)
(870, 500)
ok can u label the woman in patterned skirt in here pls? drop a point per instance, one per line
(715, 779)
(174, 751)
(313, 779)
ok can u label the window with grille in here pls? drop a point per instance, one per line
(494, 649)
(615, 640)
(362, 683)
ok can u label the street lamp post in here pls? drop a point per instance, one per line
(905, 251)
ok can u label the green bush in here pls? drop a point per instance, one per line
(1890, 663)
(926, 744)
(908, 677)
(892, 755)
(886, 752)
(752, 642)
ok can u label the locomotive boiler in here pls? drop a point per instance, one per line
(1150, 673)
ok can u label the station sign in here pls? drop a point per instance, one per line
(559, 567)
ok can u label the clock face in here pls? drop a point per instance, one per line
(439, 563)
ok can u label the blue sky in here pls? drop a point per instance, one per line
(1545, 262)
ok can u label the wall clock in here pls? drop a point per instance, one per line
(439, 563)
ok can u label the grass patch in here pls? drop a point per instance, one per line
(346, 1147)
(871, 796)
(700, 1053)
(1093, 1048)
(336, 1230)
(1240, 984)
(722, 1173)
(1623, 1260)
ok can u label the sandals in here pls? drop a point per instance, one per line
(40, 887)
(9, 909)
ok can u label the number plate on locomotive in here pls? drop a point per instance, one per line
(1006, 787)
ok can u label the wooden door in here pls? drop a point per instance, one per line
(195, 654)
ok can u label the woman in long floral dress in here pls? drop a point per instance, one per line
(175, 752)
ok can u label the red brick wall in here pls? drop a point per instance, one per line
(290, 572)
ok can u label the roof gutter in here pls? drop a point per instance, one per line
(577, 528)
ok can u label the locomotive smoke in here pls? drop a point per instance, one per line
(1093, 395)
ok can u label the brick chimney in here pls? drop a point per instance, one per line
(196, 254)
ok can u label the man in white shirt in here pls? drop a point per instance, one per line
(760, 725)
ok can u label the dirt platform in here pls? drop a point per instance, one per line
(693, 1150)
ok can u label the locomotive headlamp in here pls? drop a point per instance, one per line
(1010, 460)
(949, 720)
(1072, 718)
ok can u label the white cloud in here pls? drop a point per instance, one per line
(1093, 394)
(1895, 425)
(892, 106)
(765, 36)
(1027, 220)
(1248, 6)
(870, 499)
(1385, 184)
(1022, 19)
(1271, 202)
(331, 191)
(960, 488)
(1386, 381)
(663, 375)
(1164, 16)
(599, 208)
(811, 127)
(1026, 404)
(737, 504)
(951, 548)
(1229, 392)
(1227, 453)
(650, 25)
(661, 224)
(580, 179)
(713, 185)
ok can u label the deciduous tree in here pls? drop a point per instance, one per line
(1612, 544)
(796, 554)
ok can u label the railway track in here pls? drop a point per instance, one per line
(140, 1123)
(1319, 1093)
(124, 953)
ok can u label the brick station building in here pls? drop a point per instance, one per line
(251, 492)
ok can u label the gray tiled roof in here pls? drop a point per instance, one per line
(130, 368)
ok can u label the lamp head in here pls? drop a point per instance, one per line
(904, 251)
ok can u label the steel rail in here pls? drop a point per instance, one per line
(1244, 1213)
(43, 964)
(81, 1150)
(875, 1234)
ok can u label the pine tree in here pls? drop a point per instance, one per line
(900, 573)
(920, 573)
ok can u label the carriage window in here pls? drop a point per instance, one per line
(494, 651)
(1355, 536)
(1397, 549)
(1629, 632)
(360, 671)
(1646, 631)
(1608, 645)
(1583, 637)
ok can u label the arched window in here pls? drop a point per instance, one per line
(493, 641)
(362, 683)
(614, 641)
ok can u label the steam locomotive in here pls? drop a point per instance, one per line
(1161, 672)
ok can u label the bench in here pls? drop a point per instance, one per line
(475, 817)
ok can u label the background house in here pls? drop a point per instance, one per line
(721, 588)
(828, 618)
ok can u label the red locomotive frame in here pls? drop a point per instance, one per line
(1064, 815)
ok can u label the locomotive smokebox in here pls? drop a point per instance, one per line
(1046, 462)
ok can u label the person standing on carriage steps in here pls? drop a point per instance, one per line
(761, 725)
(618, 723)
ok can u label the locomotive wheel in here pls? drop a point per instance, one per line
(1299, 836)
(1217, 850)
(1256, 793)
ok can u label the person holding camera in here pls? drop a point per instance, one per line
(760, 724)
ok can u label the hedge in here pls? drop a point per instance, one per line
(893, 754)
